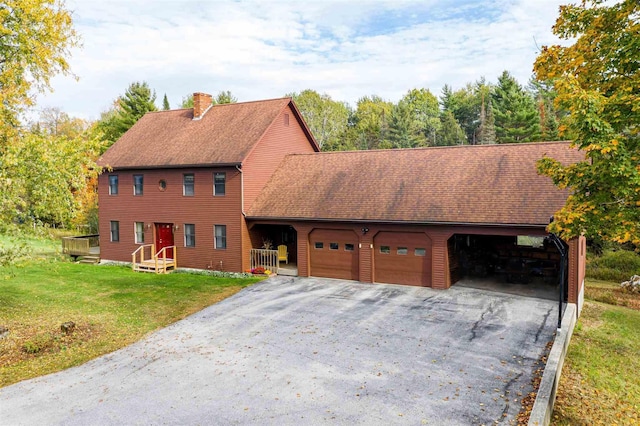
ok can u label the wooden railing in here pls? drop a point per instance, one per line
(80, 245)
(163, 262)
(268, 259)
(146, 259)
(143, 253)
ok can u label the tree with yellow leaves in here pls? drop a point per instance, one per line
(597, 80)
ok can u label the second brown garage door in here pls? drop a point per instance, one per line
(402, 258)
(334, 254)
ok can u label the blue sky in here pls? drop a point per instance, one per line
(265, 49)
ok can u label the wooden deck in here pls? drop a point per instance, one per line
(145, 259)
(83, 247)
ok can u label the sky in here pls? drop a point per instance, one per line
(267, 49)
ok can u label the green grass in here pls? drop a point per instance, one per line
(600, 383)
(111, 306)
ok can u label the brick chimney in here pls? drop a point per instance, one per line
(201, 104)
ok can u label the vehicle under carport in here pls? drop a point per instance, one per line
(519, 264)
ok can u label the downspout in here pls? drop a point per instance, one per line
(557, 241)
(239, 169)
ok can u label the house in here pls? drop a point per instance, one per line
(426, 216)
(185, 177)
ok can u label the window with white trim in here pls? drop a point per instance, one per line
(220, 240)
(139, 230)
(189, 235)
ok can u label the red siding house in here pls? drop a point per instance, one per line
(217, 182)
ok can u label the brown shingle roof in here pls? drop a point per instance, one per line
(225, 135)
(488, 184)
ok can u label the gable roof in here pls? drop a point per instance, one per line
(223, 136)
(482, 184)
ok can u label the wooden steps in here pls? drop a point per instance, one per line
(160, 267)
(89, 259)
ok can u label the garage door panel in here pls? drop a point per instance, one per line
(402, 258)
(341, 260)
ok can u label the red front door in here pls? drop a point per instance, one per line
(164, 237)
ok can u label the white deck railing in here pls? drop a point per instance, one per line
(268, 259)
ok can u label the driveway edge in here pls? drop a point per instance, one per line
(543, 406)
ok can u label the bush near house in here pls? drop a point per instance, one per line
(613, 265)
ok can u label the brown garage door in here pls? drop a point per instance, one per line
(334, 254)
(402, 258)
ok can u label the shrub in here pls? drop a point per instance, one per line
(616, 265)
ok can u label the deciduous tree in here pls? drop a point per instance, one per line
(35, 41)
(597, 80)
(326, 118)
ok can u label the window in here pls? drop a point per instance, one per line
(115, 231)
(526, 241)
(348, 247)
(137, 184)
(220, 232)
(402, 250)
(420, 252)
(162, 185)
(139, 229)
(188, 185)
(333, 246)
(219, 180)
(319, 245)
(385, 249)
(189, 235)
(113, 184)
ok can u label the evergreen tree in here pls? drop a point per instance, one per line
(516, 116)
(487, 129)
(165, 103)
(550, 117)
(128, 109)
(404, 130)
(465, 105)
(450, 132)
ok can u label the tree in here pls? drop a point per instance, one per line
(225, 97)
(128, 109)
(165, 103)
(465, 104)
(550, 116)
(487, 129)
(516, 116)
(404, 129)
(326, 118)
(424, 112)
(597, 80)
(370, 123)
(35, 41)
(187, 101)
(450, 132)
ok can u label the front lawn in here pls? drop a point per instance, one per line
(600, 383)
(110, 305)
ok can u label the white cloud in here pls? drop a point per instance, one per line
(266, 49)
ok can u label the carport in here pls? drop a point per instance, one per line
(518, 264)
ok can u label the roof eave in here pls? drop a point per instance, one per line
(173, 166)
(402, 222)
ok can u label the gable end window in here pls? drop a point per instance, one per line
(219, 184)
(188, 185)
(189, 235)
(115, 231)
(220, 241)
(137, 184)
(113, 184)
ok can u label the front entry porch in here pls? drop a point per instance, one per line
(275, 248)
(146, 259)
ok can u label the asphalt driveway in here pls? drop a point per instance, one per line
(307, 350)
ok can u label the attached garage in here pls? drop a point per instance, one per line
(402, 258)
(334, 254)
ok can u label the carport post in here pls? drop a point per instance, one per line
(563, 259)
